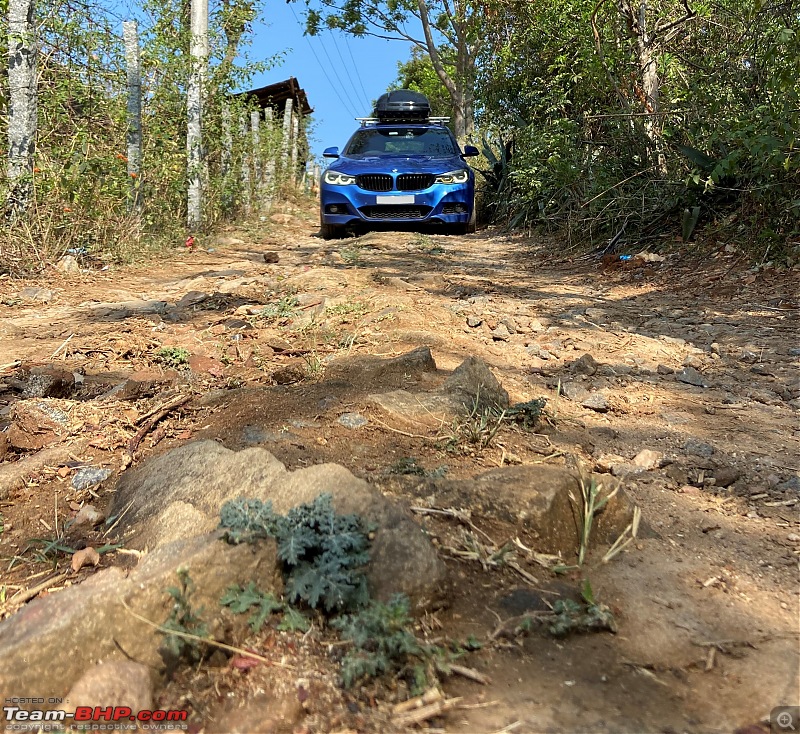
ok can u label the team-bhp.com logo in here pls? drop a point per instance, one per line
(88, 718)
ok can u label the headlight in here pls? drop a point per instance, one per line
(338, 179)
(454, 177)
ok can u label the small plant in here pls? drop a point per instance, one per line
(349, 308)
(315, 367)
(183, 618)
(282, 310)
(382, 640)
(569, 616)
(591, 505)
(241, 599)
(477, 429)
(172, 357)
(626, 537)
(323, 553)
(526, 414)
(409, 466)
(350, 255)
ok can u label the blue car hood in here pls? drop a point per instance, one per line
(398, 163)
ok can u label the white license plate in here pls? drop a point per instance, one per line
(394, 199)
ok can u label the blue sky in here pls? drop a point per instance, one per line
(340, 74)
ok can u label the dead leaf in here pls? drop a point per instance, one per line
(86, 557)
(244, 662)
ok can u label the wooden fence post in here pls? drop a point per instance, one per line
(130, 32)
(295, 133)
(244, 172)
(287, 132)
(269, 172)
(258, 158)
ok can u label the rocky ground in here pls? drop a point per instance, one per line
(396, 371)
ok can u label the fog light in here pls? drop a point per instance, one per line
(336, 209)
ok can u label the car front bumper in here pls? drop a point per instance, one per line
(446, 203)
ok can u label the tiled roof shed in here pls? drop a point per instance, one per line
(275, 95)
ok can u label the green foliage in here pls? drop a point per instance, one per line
(81, 183)
(281, 310)
(183, 618)
(323, 553)
(172, 356)
(241, 599)
(589, 161)
(408, 465)
(419, 75)
(527, 414)
(476, 430)
(381, 640)
(571, 617)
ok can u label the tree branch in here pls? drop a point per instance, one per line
(433, 52)
(659, 29)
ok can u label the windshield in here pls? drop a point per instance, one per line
(435, 142)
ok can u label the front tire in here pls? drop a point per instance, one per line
(330, 231)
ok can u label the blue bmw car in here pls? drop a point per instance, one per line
(398, 168)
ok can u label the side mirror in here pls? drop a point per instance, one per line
(330, 153)
(470, 151)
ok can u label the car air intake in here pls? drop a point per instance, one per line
(375, 182)
(414, 181)
(395, 211)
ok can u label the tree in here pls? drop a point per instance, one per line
(419, 75)
(21, 100)
(450, 36)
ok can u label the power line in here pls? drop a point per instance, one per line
(321, 66)
(350, 78)
(358, 73)
(330, 61)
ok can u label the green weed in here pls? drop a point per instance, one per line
(183, 618)
(172, 357)
(241, 599)
(323, 553)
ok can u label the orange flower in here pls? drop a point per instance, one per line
(37, 170)
(134, 175)
(122, 157)
(67, 209)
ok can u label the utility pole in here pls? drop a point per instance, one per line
(21, 102)
(194, 109)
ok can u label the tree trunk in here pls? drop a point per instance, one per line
(194, 105)
(647, 61)
(21, 102)
(462, 113)
(130, 32)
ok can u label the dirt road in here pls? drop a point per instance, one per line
(693, 359)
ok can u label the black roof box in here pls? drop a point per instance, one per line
(402, 105)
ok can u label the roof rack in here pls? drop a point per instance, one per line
(374, 121)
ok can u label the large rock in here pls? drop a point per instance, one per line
(537, 498)
(181, 492)
(14, 475)
(473, 383)
(471, 386)
(52, 641)
(393, 372)
(122, 682)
